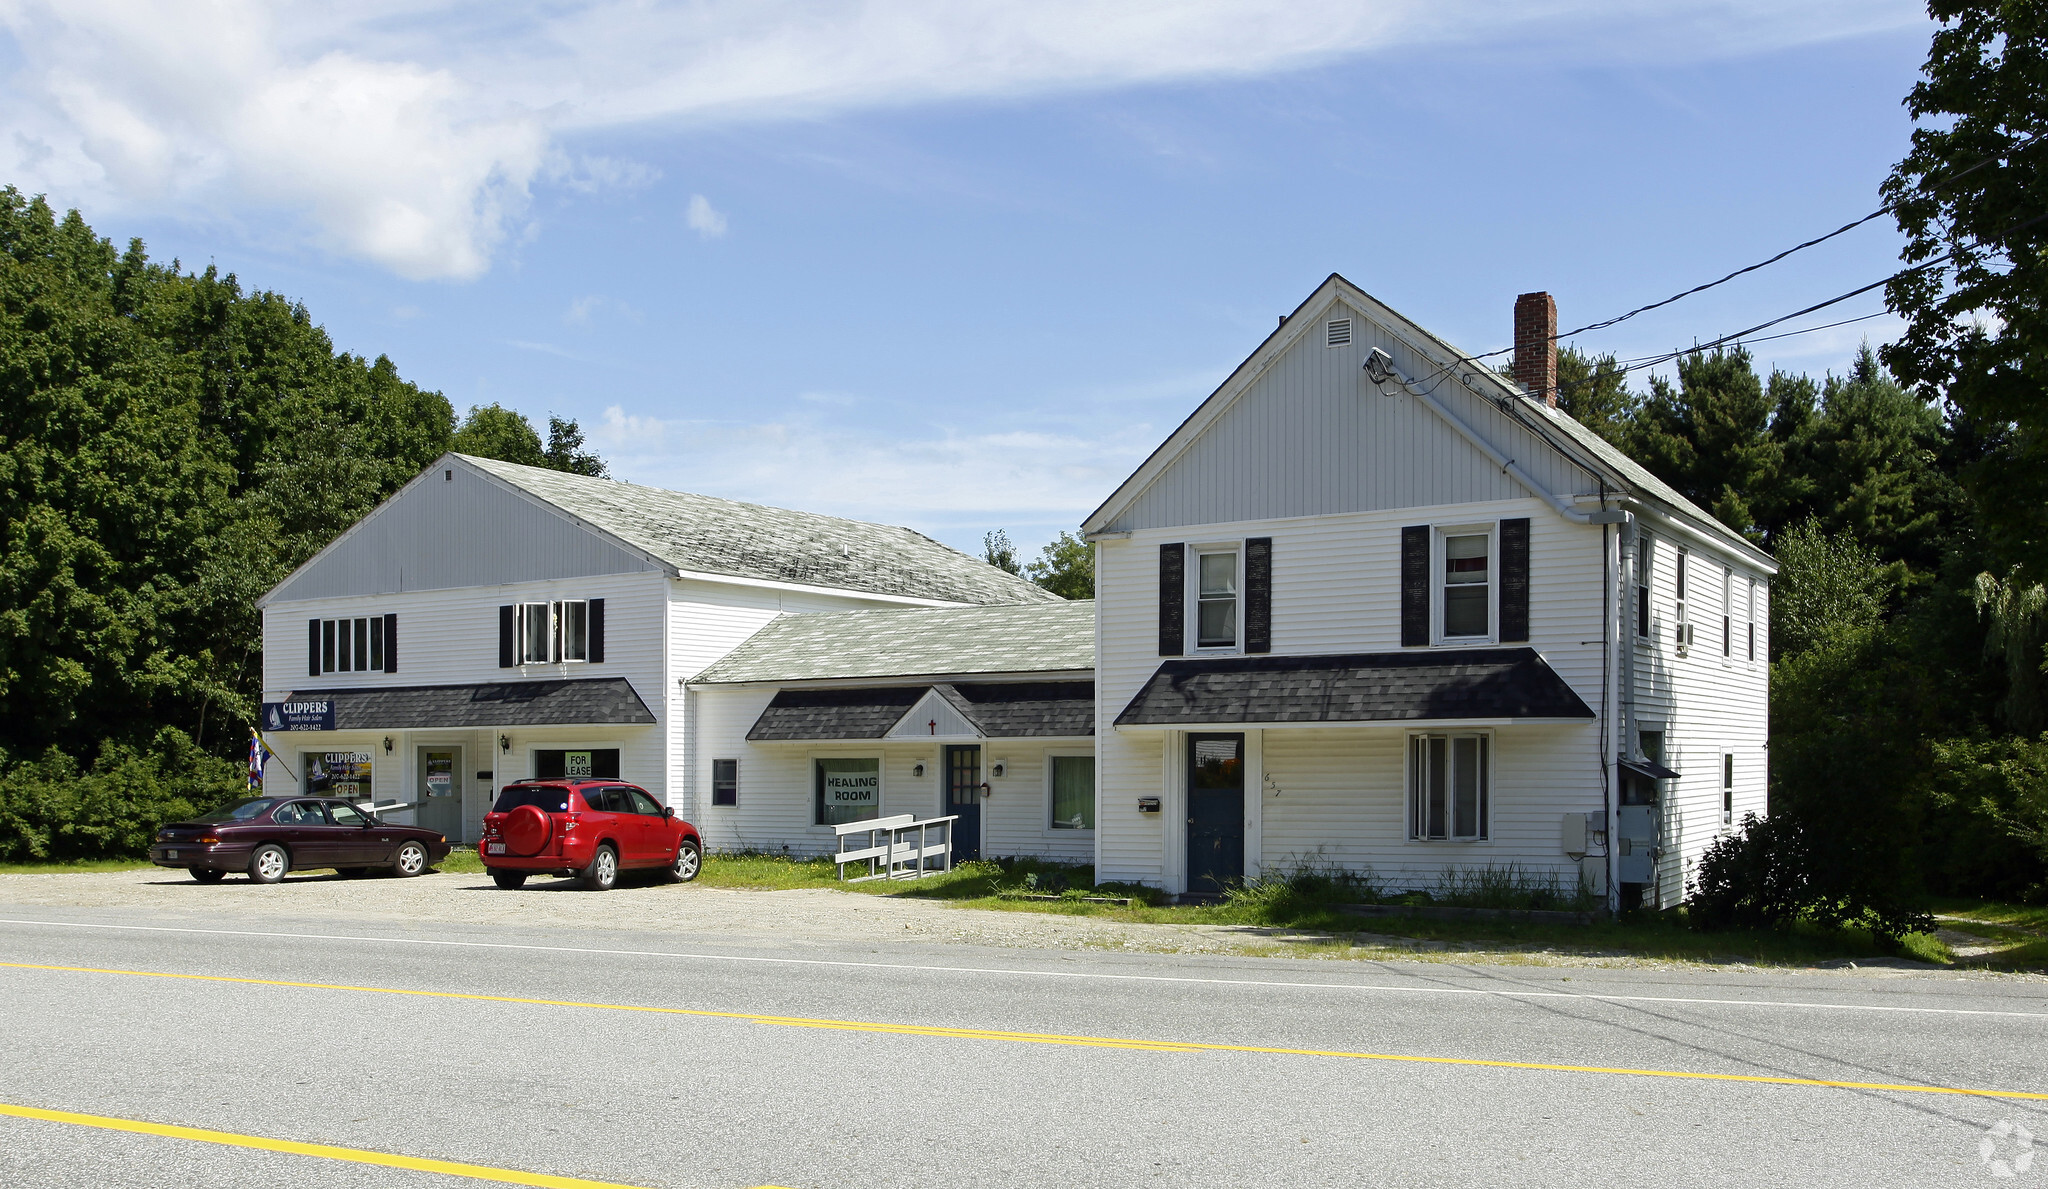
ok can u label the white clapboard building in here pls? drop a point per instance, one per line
(492, 622)
(1375, 606)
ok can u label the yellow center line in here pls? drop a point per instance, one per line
(449, 1168)
(1054, 1038)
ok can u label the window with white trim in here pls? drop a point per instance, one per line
(1645, 557)
(1727, 611)
(725, 782)
(1216, 599)
(1749, 616)
(352, 645)
(548, 633)
(1073, 791)
(1727, 788)
(1466, 598)
(1448, 787)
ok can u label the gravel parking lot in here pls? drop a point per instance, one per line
(685, 909)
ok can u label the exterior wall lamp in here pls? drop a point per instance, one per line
(505, 744)
(917, 769)
(387, 745)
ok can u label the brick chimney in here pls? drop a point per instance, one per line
(1536, 346)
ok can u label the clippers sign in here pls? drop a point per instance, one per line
(298, 716)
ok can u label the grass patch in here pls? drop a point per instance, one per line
(2022, 927)
(1300, 905)
(461, 860)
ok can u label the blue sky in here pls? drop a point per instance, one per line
(960, 266)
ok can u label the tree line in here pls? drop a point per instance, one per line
(171, 446)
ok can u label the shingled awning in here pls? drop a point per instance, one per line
(585, 701)
(1494, 683)
(994, 710)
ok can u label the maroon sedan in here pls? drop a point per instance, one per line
(268, 836)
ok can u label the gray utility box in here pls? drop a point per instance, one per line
(1636, 844)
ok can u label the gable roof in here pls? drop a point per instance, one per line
(1054, 637)
(703, 534)
(1583, 449)
(1018, 710)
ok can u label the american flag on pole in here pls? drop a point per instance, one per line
(255, 760)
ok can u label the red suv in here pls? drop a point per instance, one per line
(591, 829)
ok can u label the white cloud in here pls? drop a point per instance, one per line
(936, 480)
(704, 219)
(411, 136)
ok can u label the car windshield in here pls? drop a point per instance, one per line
(546, 798)
(241, 811)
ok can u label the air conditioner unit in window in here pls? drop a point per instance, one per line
(1684, 638)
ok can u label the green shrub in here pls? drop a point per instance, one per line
(1775, 872)
(1510, 886)
(52, 810)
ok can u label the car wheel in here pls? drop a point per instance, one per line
(689, 861)
(509, 879)
(269, 863)
(603, 871)
(410, 860)
(208, 875)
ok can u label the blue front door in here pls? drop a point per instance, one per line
(963, 800)
(1215, 813)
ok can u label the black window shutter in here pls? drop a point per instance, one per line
(594, 633)
(391, 643)
(313, 648)
(1514, 580)
(506, 657)
(1258, 594)
(1415, 586)
(1173, 599)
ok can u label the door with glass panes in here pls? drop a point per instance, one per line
(440, 790)
(963, 800)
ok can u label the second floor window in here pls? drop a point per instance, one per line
(1216, 600)
(1467, 585)
(548, 633)
(352, 645)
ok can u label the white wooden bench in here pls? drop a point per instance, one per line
(893, 851)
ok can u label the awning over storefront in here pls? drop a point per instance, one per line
(1648, 770)
(990, 710)
(1484, 684)
(587, 701)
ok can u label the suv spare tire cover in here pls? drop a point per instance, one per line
(527, 829)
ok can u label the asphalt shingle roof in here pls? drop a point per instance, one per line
(1058, 636)
(1015, 710)
(1361, 687)
(716, 536)
(495, 704)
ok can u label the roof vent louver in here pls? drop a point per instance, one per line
(1340, 332)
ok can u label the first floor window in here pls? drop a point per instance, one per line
(1448, 778)
(1727, 789)
(589, 763)
(1466, 586)
(847, 790)
(1073, 792)
(725, 782)
(336, 773)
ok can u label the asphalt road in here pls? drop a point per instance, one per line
(807, 1064)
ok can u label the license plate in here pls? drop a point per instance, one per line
(170, 854)
(490, 848)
